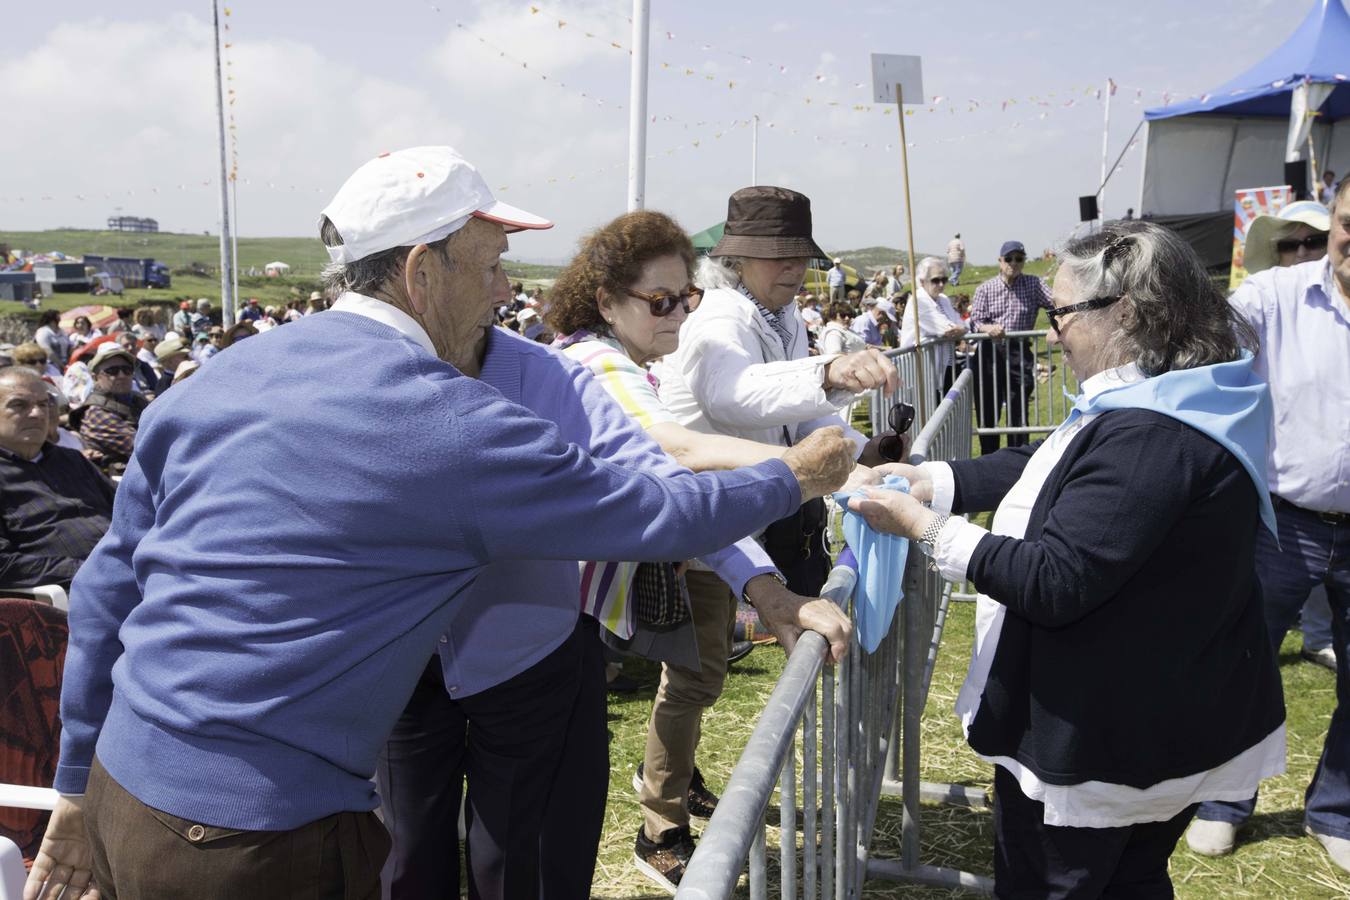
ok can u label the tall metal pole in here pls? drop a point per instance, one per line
(754, 150)
(1106, 140)
(920, 394)
(234, 235)
(226, 266)
(637, 109)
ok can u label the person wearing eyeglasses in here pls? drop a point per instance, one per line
(1298, 234)
(1007, 302)
(1121, 671)
(111, 414)
(938, 319)
(619, 306)
(1302, 313)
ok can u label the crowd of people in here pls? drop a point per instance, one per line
(419, 617)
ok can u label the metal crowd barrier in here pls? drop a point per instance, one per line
(1042, 380)
(852, 742)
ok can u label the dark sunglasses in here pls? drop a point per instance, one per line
(1095, 303)
(939, 280)
(1311, 242)
(1014, 259)
(663, 304)
(900, 418)
(115, 370)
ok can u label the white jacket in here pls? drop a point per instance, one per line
(731, 376)
(935, 317)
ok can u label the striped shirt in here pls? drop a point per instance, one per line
(778, 319)
(606, 586)
(1013, 306)
(53, 510)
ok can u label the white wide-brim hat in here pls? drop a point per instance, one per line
(414, 196)
(1258, 251)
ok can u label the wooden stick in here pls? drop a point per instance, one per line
(920, 401)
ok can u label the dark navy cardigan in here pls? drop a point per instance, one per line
(1134, 647)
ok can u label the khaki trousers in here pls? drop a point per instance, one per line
(142, 853)
(677, 714)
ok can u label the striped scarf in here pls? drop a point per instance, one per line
(777, 318)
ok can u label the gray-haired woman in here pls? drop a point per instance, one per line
(1119, 566)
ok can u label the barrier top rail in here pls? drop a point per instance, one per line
(720, 857)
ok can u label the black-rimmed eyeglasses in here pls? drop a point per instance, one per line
(663, 304)
(1096, 303)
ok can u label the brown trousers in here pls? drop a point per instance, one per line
(677, 715)
(142, 853)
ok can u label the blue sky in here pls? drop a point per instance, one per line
(124, 92)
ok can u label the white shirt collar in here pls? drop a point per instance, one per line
(386, 314)
(1112, 378)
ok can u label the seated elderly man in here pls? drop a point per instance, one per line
(54, 505)
(112, 412)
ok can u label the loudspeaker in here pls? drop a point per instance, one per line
(1296, 176)
(1087, 208)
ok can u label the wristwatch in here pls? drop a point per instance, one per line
(930, 534)
(776, 576)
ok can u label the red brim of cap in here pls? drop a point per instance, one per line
(513, 218)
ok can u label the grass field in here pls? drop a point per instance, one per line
(1273, 860)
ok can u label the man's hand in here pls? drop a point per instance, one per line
(821, 461)
(954, 332)
(787, 615)
(920, 482)
(861, 476)
(893, 512)
(862, 371)
(65, 858)
(993, 330)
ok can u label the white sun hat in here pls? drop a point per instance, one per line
(414, 196)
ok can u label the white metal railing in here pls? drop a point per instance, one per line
(857, 726)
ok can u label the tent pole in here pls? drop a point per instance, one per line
(637, 109)
(1106, 149)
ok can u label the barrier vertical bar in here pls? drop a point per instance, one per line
(810, 773)
(787, 824)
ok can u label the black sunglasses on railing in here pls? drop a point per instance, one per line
(900, 418)
(1095, 303)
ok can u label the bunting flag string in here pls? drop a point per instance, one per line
(230, 97)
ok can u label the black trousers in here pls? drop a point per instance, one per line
(1035, 861)
(1006, 375)
(507, 741)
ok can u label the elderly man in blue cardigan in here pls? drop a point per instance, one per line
(246, 634)
(1119, 565)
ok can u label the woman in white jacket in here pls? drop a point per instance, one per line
(938, 318)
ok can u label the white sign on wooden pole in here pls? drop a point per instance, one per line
(890, 69)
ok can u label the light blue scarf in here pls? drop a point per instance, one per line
(881, 568)
(1226, 401)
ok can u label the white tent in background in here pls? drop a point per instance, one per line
(273, 269)
(1240, 134)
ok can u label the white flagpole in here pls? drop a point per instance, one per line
(1106, 148)
(637, 108)
(226, 259)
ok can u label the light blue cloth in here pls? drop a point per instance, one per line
(881, 568)
(1228, 402)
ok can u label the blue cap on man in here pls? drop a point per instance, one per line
(1011, 247)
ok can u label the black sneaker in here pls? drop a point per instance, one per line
(700, 801)
(739, 650)
(664, 861)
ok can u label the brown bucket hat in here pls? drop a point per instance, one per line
(768, 223)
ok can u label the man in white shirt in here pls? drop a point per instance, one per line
(956, 257)
(1302, 314)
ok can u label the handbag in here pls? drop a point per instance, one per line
(660, 597)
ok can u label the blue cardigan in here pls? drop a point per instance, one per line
(1134, 647)
(291, 537)
(520, 609)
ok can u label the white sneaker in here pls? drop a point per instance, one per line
(1210, 838)
(1337, 848)
(1325, 657)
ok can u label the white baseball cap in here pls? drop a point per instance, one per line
(414, 196)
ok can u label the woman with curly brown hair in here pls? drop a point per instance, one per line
(618, 307)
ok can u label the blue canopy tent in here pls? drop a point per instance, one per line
(1240, 134)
